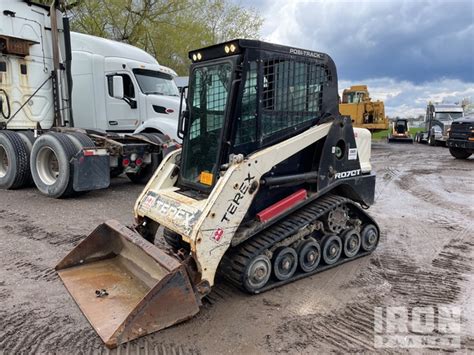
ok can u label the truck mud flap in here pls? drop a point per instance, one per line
(91, 170)
(125, 286)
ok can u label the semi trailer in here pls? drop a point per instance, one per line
(271, 185)
(77, 109)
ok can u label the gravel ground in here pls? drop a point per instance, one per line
(424, 206)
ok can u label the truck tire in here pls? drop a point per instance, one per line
(50, 164)
(80, 140)
(145, 174)
(459, 153)
(14, 161)
(28, 138)
(431, 140)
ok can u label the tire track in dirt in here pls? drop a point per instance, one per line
(33, 271)
(352, 328)
(20, 225)
(38, 330)
(409, 182)
(144, 346)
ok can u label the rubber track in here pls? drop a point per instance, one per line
(236, 260)
(22, 174)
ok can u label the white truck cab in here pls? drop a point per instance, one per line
(438, 121)
(76, 110)
(149, 90)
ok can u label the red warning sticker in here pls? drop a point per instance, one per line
(218, 234)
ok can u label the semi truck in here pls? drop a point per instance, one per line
(438, 120)
(77, 109)
(461, 137)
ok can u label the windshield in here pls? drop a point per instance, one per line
(209, 90)
(155, 82)
(448, 116)
(352, 98)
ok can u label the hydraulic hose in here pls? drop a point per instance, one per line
(7, 100)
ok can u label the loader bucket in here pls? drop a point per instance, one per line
(125, 286)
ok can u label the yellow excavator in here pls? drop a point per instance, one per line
(271, 185)
(364, 112)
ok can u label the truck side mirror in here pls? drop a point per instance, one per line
(183, 114)
(117, 85)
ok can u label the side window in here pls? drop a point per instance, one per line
(247, 122)
(128, 88)
(292, 94)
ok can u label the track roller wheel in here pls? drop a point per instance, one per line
(284, 263)
(309, 255)
(257, 273)
(332, 249)
(351, 241)
(370, 237)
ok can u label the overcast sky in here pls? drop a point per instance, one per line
(407, 52)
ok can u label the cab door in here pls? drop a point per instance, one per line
(122, 114)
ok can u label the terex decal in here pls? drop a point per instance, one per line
(235, 202)
(346, 174)
(172, 211)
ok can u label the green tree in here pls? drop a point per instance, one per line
(167, 29)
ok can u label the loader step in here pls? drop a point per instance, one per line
(236, 262)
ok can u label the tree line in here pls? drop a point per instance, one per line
(167, 29)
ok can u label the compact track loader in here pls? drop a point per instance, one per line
(270, 186)
(399, 132)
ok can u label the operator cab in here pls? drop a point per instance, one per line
(245, 95)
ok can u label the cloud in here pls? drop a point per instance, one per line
(406, 99)
(407, 40)
(409, 52)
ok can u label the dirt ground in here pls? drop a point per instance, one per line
(424, 206)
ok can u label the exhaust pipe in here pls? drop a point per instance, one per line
(125, 286)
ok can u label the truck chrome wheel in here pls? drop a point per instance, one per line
(47, 165)
(332, 248)
(258, 273)
(285, 263)
(309, 255)
(3, 161)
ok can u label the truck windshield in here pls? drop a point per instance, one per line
(448, 116)
(155, 82)
(208, 95)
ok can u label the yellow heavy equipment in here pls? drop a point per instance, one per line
(364, 112)
(270, 186)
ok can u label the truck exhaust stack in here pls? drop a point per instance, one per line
(125, 286)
